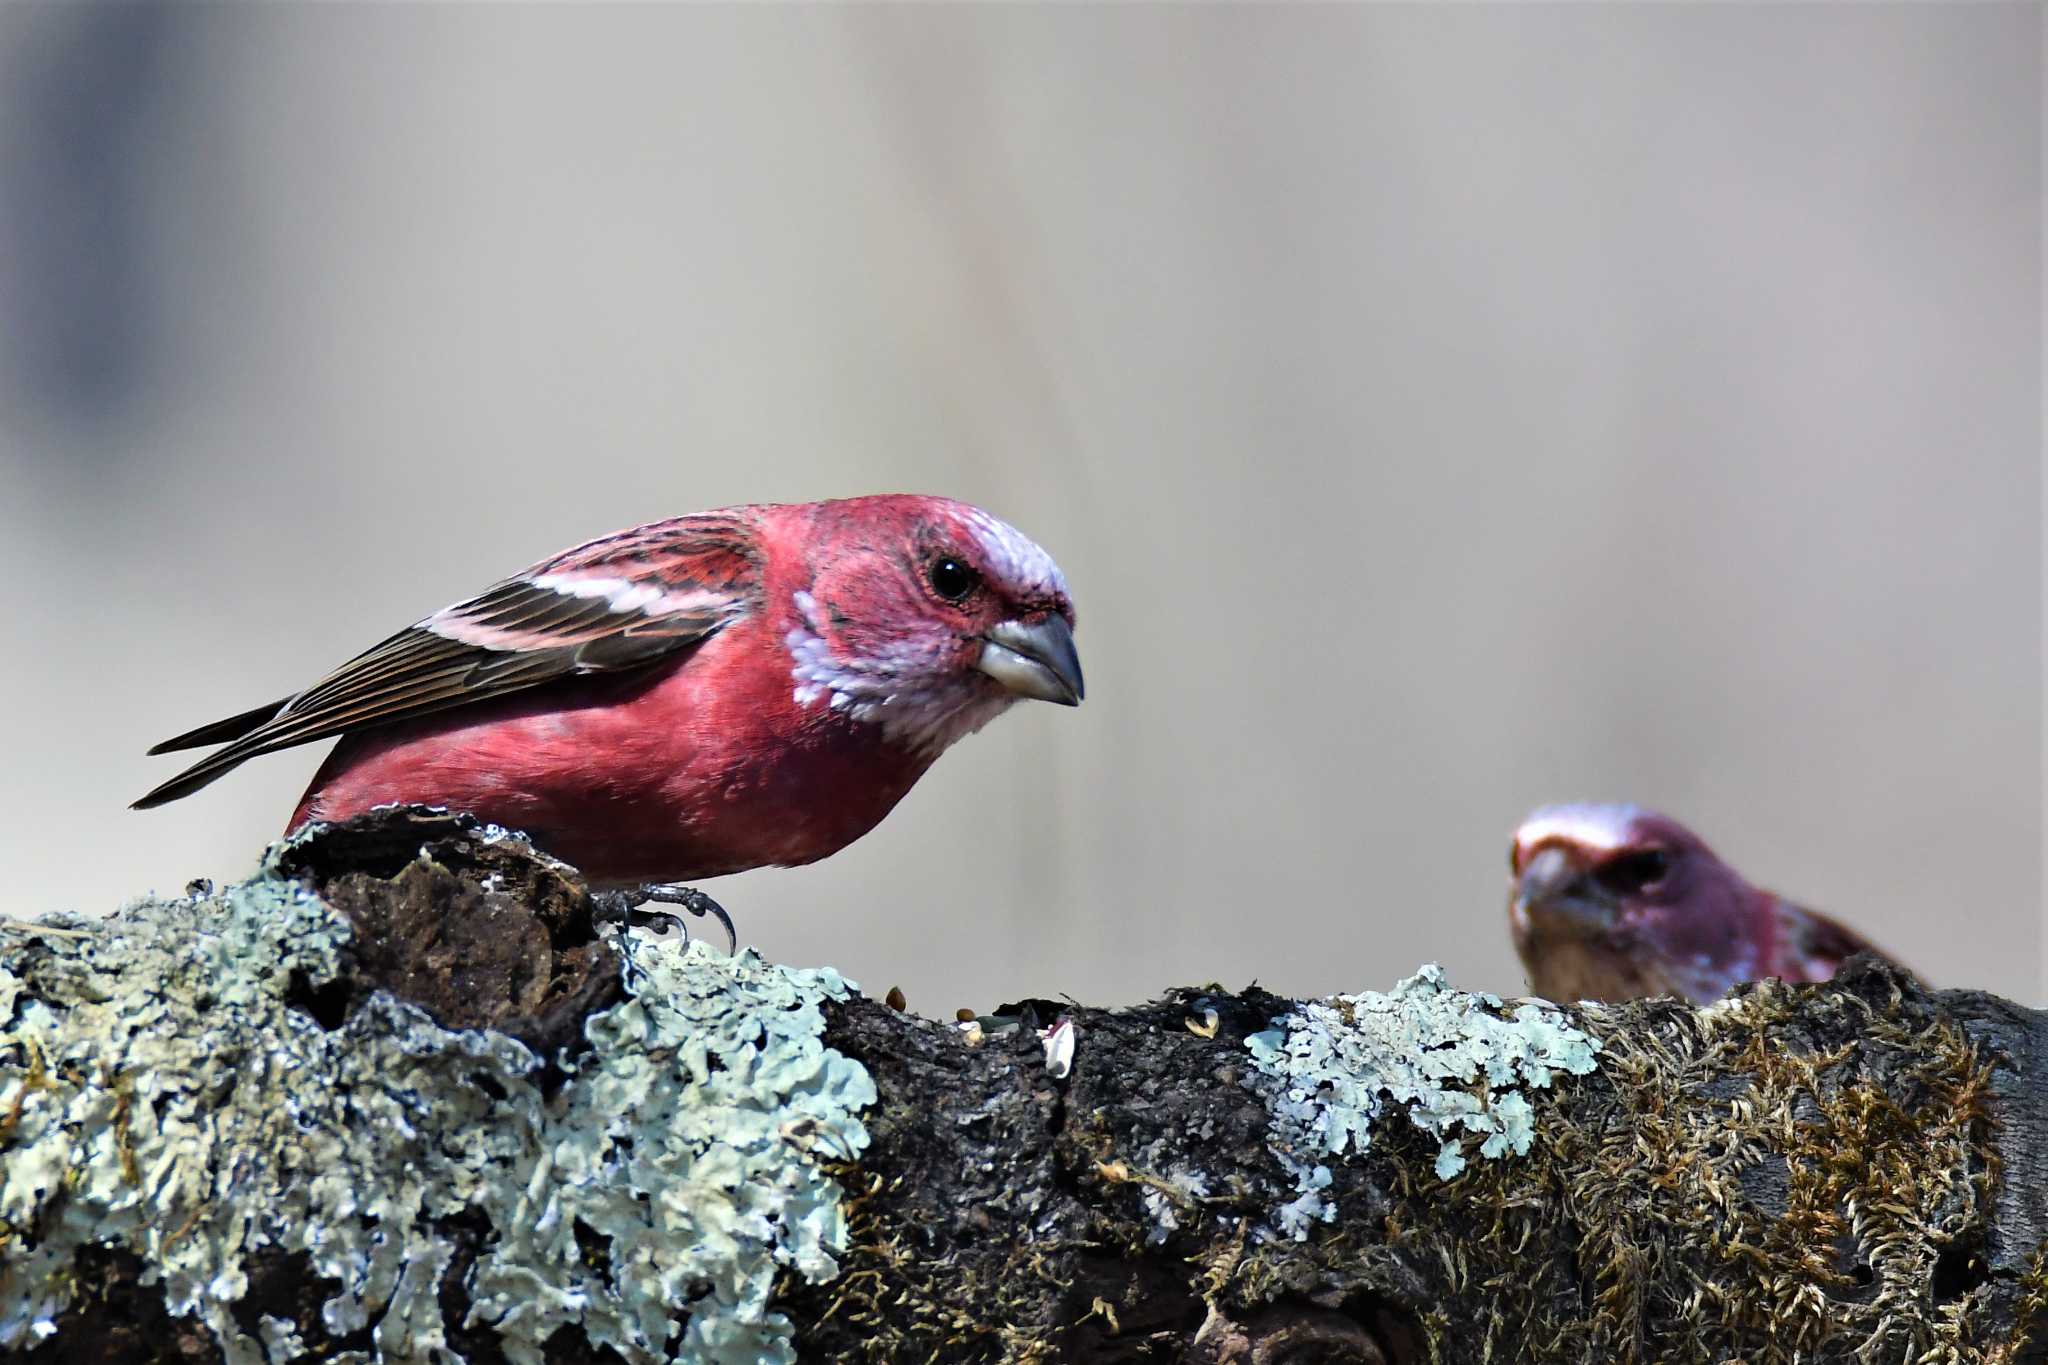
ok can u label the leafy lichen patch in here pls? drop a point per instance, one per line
(162, 1092)
(1457, 1064)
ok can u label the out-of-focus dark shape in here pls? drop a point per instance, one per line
(1612, 902)
(76, 96)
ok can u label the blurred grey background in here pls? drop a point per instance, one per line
(1438, 411)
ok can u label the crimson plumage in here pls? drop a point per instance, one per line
(748, 687)
(1612, 902)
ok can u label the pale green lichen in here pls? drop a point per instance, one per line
(1456, 1063)
(158, 1092)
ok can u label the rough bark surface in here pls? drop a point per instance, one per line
(1850, 1172)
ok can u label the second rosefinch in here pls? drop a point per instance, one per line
(1612, 902)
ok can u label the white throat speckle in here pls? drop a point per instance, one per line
(892, 691)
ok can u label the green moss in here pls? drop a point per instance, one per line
(160, 1092)
(1756, 1187)
(1793, 1173)
(2030, 1310)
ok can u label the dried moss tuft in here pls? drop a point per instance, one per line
(1751, 1187)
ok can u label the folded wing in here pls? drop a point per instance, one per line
(611, 606)
(1814, 945)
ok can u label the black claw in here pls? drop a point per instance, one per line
(687, 898)
(624, 909)
(661, 921)
(717, 912)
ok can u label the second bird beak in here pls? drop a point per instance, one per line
(1034, 659)
(1551, 883)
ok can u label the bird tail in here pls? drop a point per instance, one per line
(221, 731)
(214, 765)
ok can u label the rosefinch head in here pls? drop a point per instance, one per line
(1612, 902)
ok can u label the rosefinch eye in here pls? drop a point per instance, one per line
(953, 580)
(1632, 872)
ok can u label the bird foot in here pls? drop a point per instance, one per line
(628, 907)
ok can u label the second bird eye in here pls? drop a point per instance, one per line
(951, 579)
(1632, 872)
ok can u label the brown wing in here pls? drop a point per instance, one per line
(610, 606)
(1816, 945)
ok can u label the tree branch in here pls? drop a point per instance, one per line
(398, 1098)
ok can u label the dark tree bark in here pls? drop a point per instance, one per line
(1848, 1172)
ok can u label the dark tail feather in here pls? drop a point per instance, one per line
(199, 774)
(219, 732)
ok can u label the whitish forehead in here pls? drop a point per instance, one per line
(1589, 826)
(1014, 557)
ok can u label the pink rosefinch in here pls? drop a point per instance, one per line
(1616, 902)
(748, 687)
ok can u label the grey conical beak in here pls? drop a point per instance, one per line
(1552, 884)
(1034, 659)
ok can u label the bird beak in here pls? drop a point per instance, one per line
(1551, 884)
(1034, 659)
